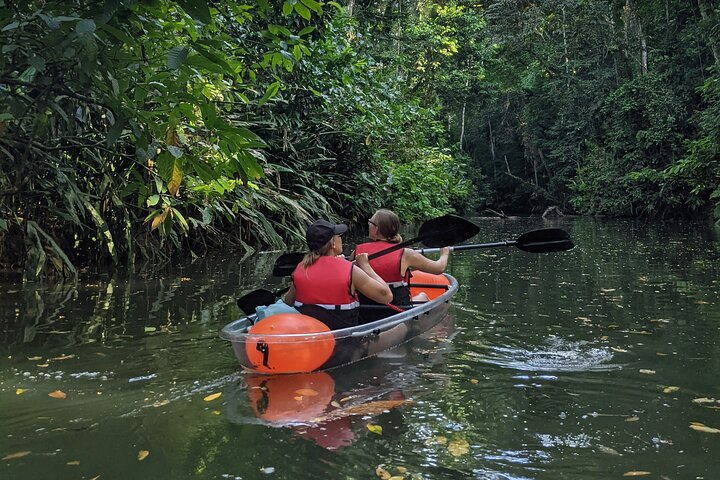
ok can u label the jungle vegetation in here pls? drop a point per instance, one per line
(135, 130)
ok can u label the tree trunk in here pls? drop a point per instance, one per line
(705, 10)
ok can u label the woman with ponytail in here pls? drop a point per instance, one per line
(325, 285)
(395, 267)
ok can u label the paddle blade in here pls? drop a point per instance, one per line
(545, 240)
(286, 263)
(447, 230)
(247, 303)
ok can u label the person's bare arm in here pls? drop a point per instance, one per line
(367, 282)
(289, 297)
(417, 261)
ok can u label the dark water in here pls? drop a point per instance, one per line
(592, 364)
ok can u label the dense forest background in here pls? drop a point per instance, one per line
(132, 131)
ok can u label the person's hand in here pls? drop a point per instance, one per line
(445, 251)
(362, 260)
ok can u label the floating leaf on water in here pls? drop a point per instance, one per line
(661, 354)
(458, 447)
(371, 408)
(374, 428)
(632, 419)
(647, 371)
(43, 365)
(73, 462)
(64, 357)
(34, 359)
(400, 469)
(607, 290)
(20, 391)
(382, 473)
(161, 403)
(703, 428)
(670, 389)
(57, 394)
(150, 329)
(216, 412)
(704, 400)
(608, 450)
(212, 397)
(474, 381)
(307, 392)
(142, 455)
(619, 350)
(15, 455)
(636, 473)
(702, 302)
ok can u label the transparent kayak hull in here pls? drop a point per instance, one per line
(271, 353)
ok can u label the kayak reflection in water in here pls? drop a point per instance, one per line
(315, 408)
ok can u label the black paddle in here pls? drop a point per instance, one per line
(536, 241)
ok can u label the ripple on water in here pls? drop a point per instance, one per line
(557, 355)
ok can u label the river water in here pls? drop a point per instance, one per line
(596, 363)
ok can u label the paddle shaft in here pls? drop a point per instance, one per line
(506, 243)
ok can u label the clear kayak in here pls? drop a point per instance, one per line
(281, 348)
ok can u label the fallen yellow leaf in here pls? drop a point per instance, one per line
(703, 428)
(458, 447)
(57, 394)
(474, 381)
(670, 389)
(15, 455)
(20, 391)
(401, 469)
(73, 462)
(34, 359)
(375, 428)
(638, 473)
(142, 455)
(704, 400)
(216, 412)
(64, 357)
(43, 365)
(632, 419)
(162, 402)
(382, 473)
(212, 397)
(308, 392)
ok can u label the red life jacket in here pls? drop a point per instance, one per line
(387, 266)
(326, 283)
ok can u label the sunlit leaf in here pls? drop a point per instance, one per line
(458, 447)
(142, 455)
(308, 392)
(474, 381)
(20, 391)
(375, 428)
(212, 397)
(402, 470)
(57, 394)
(161, 403)
(34, 359)
(704, 400)
(703, 428)
(636, 473)
(150, 329)
(670, 389)
(632, 419)
(15, 455)
(43, 365)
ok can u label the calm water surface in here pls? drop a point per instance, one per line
(590, 364)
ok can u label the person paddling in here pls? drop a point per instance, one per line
(395, 267)
(324, 284)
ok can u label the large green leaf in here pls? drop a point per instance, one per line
(176, 56)
(198, 9)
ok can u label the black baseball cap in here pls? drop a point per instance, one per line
(321, 231)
